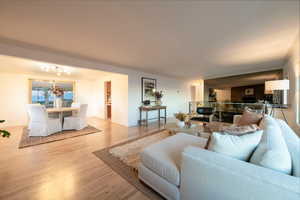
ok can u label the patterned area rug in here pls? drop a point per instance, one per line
(124, 158)
(27, 141)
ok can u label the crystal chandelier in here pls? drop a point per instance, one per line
(57, 70)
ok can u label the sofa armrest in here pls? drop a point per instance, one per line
(208, 175)
(236, 119)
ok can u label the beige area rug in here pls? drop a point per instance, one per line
(124, 158)
(27, 141)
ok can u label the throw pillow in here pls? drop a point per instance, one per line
(272, 151)
(240, 130)
(215, 126)
(231, 130)
(249, 118)
(239, 147)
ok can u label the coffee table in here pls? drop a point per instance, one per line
(197, 129)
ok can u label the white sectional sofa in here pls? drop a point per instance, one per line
(180, 168)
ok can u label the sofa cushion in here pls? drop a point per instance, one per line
(159, 184)
(164, 157)
(293, 144)
(239, 147)
(272, 151)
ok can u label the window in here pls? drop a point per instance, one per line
(41, 92)
(68, 92)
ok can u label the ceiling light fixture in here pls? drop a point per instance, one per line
(55, 69)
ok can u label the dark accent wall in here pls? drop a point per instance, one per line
(244, 79)
(238, 93)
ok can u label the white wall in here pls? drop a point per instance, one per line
(291, 71)
(98, 98)
(85, 95)
(176, 95)
(14, 96)
(126, 96)
(177, 92)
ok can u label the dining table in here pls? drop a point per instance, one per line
(61, 110)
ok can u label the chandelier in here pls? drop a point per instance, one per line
(57, 70)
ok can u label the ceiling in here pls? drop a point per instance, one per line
(10, 64)
(187, 39)
(244, 79)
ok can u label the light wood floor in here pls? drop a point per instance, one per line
(65, 169)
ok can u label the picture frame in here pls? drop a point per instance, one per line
(249, 91)
(148, 87)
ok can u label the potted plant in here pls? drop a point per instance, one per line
(4, 133)
(180, 119)
(58, 93)
(158, 95)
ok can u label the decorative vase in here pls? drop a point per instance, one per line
(58, 102)
(158, 102)
(180, 124)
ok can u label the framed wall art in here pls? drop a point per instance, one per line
(148, 88)
(249, 91)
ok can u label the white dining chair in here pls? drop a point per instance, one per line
(76, 122)
(75, 105)
(40, 124)
(28, 111)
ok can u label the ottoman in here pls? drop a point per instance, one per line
(160, 163)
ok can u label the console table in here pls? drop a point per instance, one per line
(147, 109)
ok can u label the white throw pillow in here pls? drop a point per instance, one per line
(272, 151)
(239, 147)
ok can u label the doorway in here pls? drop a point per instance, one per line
(107, 100)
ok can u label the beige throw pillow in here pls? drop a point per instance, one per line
(234, 130)
(249, 118)
(240, 130)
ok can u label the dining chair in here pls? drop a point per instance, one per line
(75, 105)
(28, 111)
(74, 113)
(40, 124)
(76, 122)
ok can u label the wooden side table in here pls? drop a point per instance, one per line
(147, 109)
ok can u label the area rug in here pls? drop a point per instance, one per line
(124, 158)
(27, 141)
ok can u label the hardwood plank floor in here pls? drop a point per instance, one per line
(66, 169)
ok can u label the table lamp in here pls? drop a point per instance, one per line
(277, 86)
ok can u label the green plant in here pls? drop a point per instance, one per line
(158, 94)
(57, 91)
(4, 133)
(180, 116)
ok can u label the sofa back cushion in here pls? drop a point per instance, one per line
(272, 151)
(239, 147)
(249, 118)
(293, 144)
